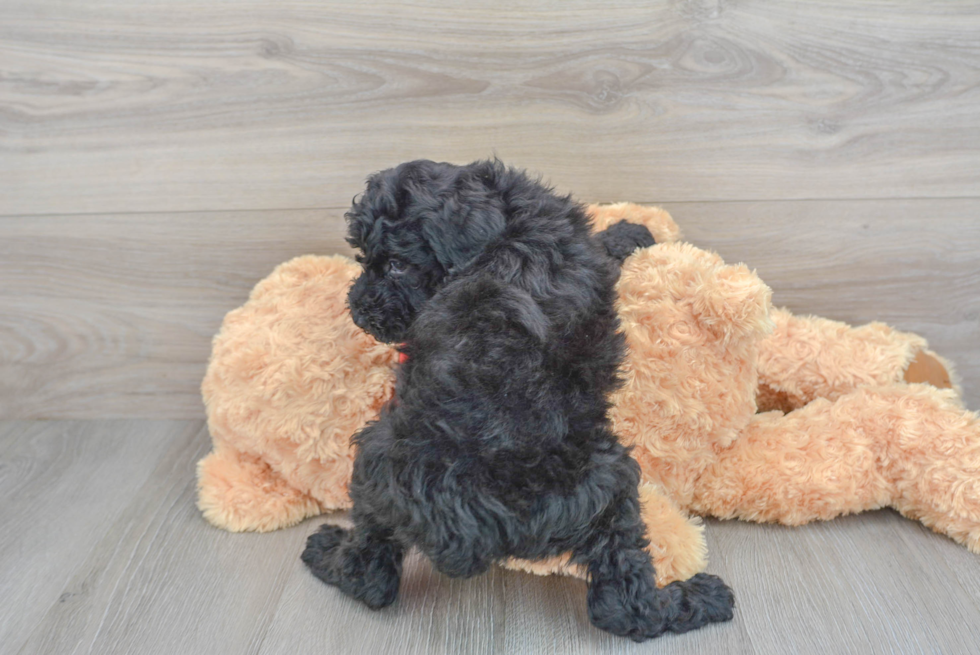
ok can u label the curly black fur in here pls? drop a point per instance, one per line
(497, 443)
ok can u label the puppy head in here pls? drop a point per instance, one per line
(416, 226)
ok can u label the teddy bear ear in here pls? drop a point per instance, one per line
(735, 302)
(729, 304)
(657, 220)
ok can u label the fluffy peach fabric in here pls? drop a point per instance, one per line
(291, 378)
(809, 357)
(911, 447)
(693, 326)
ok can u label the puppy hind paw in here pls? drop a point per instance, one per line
(615, 610)
(642, 612)
(698, 601)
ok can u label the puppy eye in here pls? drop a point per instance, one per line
(395, 267)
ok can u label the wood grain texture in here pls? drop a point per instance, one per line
(501, 612)
(864, 583)
(112, 316)
(186, 105)
(105, 553)
(158, 158)
(161, 580)
(63, 487)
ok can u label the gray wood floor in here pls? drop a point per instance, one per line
(103, 551)
(158, 158)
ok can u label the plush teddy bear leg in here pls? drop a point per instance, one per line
(813, 463)
(240, 493)
(934, 460)
(677, 542)
(909, 446)
(807, 357)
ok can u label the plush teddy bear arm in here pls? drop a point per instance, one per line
(658, 221)
(909, 446)
(807, 357)
(290, 379)
(677, 542)
(243, 494)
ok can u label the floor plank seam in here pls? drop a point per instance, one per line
(342, 208)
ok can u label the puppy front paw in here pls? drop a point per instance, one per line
(362, 567)
(319, 553)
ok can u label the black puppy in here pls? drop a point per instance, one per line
(497, 443)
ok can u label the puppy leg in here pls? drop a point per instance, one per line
(677, 543)
(459, 556)
(623, 597)
(364, 562)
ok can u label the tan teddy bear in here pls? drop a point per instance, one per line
(852, 426)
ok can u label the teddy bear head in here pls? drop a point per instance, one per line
(693, 326)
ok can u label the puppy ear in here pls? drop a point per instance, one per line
(463, 227)
(461, 236)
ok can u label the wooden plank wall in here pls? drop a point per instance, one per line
(158, 158)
